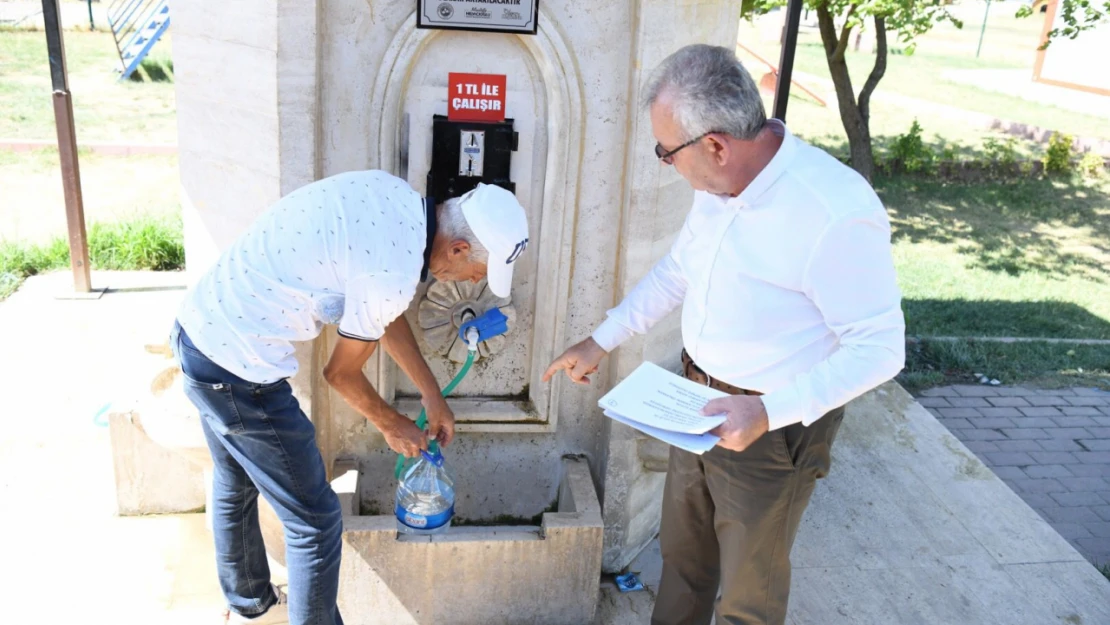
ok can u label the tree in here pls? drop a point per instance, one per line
(906, 19)
(1078, 16)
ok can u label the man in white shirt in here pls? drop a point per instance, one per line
(347, 250)
(789, 304)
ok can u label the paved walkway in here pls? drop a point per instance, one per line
(1052, 447)
(28, 14)
(1019, 83)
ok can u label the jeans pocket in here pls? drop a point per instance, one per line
(216, 404)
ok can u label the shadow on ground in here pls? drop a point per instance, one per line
(1055, 226)
(961, 317)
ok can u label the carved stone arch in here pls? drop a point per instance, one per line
(552, 233)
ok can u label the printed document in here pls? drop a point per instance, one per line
(664, 405)
(694, 443)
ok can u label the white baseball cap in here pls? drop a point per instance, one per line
(498, 220)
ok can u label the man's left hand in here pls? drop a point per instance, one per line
(746, 422)
(441, 420)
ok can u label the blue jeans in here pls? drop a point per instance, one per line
(261, 441)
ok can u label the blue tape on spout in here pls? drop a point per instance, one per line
(492, 323)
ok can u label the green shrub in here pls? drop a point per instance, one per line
(910, 152)
(1003, 153)
(1057, 158)
(945, 151)
(1092, 165)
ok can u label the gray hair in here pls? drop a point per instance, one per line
(709, 91)
(451, 223)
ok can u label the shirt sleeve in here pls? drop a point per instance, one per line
(851, 280)
(652, 299)
(372, 303)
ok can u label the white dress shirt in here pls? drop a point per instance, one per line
(346, 250)
(787, 289)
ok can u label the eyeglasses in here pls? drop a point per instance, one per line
(668, 157)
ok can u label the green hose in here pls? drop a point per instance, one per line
(423, 420)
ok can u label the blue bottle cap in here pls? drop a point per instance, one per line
(435, 457)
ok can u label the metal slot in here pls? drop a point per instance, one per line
(472, 147)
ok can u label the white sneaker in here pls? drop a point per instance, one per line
(278, 614)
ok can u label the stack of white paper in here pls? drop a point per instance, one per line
(665, 406)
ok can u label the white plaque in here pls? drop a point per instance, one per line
(499, 16)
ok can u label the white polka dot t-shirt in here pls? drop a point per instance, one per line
(346, 250)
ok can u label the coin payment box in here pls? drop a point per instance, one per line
(465, 153)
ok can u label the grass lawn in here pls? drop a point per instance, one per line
(1025, 258)
(1039, 365)
(921, 76)
(104, 109)
(146, 242)
(1009, 44)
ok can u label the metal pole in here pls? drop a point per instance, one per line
(67, 148)
(92, 24)
(786, 59)
(983, 30)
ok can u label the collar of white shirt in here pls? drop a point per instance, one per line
(772, 172)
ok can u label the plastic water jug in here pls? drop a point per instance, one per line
(425, 501)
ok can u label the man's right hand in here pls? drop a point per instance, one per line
(578, 361)
(403, 437)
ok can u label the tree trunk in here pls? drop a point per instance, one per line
(854, 114)
(877, 72)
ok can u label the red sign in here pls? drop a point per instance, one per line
(476, 97)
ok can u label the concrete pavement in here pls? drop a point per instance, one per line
(69, 559)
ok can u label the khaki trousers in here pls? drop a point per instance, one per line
(729, 521)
